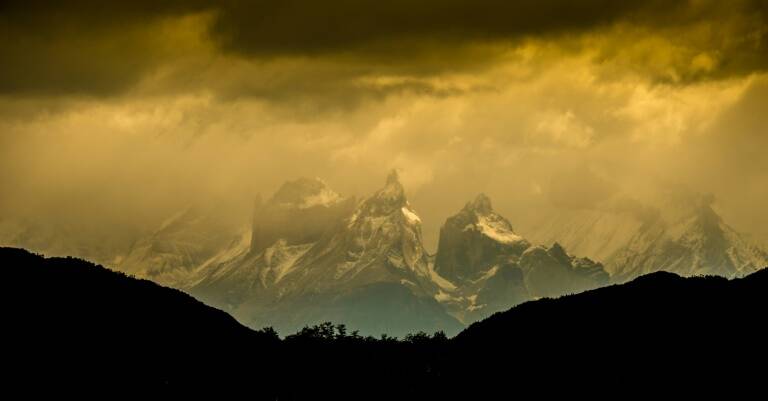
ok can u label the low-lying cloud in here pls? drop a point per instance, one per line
(115, 116)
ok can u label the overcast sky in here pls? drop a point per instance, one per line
(115, 115)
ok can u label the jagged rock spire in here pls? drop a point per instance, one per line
(393, 178)
(481, 204)
(393, 191)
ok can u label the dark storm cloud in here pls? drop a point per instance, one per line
(385, 26)
(80, 46)
(316, 88)
(432, 35)
(95, 12)
(101, 48)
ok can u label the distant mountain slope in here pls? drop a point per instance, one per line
(71, 319)
(682, 233)
(189, 238)
(698, 242)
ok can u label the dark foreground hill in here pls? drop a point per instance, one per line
(74, 324)
(655, 331)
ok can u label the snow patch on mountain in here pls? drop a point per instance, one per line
(495, 229)
(238, 247)
(280, 259)
(410, 215)
(440, 280)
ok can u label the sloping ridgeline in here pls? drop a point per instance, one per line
(656, 331)
(76, 324)
(73, 323)
(70, 324)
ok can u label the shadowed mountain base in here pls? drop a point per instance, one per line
(74, 324)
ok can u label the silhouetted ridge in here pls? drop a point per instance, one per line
(74, 321)
(661, 276)
(69, 322)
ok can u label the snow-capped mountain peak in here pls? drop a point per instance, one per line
(386, 226)
(474, 240)
(386, 202)
(479, 216)
(496, 228)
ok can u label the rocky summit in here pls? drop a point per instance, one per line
(493, 268)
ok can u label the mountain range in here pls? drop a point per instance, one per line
(311, 255)
(316, 256)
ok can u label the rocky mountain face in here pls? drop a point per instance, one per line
(682, 234)
(474, 240)
(379, 242)
(492, 268)
(284, 228)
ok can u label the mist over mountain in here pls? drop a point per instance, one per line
(367, 267)
(169, 254)
(679, 232)
(298, 213)
(56, 239)
(310, 255)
